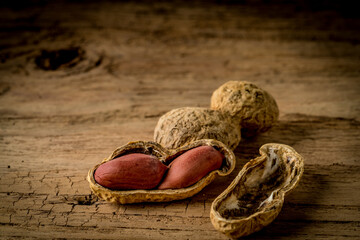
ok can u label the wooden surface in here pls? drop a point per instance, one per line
(129, 64)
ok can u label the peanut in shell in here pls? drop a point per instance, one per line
(181, 126)
(248, 105)
(166, 156)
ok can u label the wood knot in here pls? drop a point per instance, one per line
(59, 59)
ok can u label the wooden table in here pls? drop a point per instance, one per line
(79, 79)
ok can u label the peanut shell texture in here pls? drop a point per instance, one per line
(181, 126)
(247, 104)
(255, 197)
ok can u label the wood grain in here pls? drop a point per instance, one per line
(136, 61)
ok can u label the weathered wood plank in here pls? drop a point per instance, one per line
(279, 230)
(321, 199)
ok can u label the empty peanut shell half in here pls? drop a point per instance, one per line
(166, 156)
(255, 197)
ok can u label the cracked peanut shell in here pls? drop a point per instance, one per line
(255, 197)
(165, 156)
(181, 126)
(250, 106)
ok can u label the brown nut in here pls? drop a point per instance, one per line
(191, 166)
(166, 156)
(131, 171)
(255, 197)
(252, 107)
(181, 126)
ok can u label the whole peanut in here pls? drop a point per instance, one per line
(191, 166)
(131, 171)
(253, 108)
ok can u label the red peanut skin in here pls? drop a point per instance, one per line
(131, 171)
(191, 166)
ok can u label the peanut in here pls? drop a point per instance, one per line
(181, 126)
(131, 171)
(254, 109)
(191, 166)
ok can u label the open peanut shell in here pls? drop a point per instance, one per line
(166, 156)
(255, 197)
